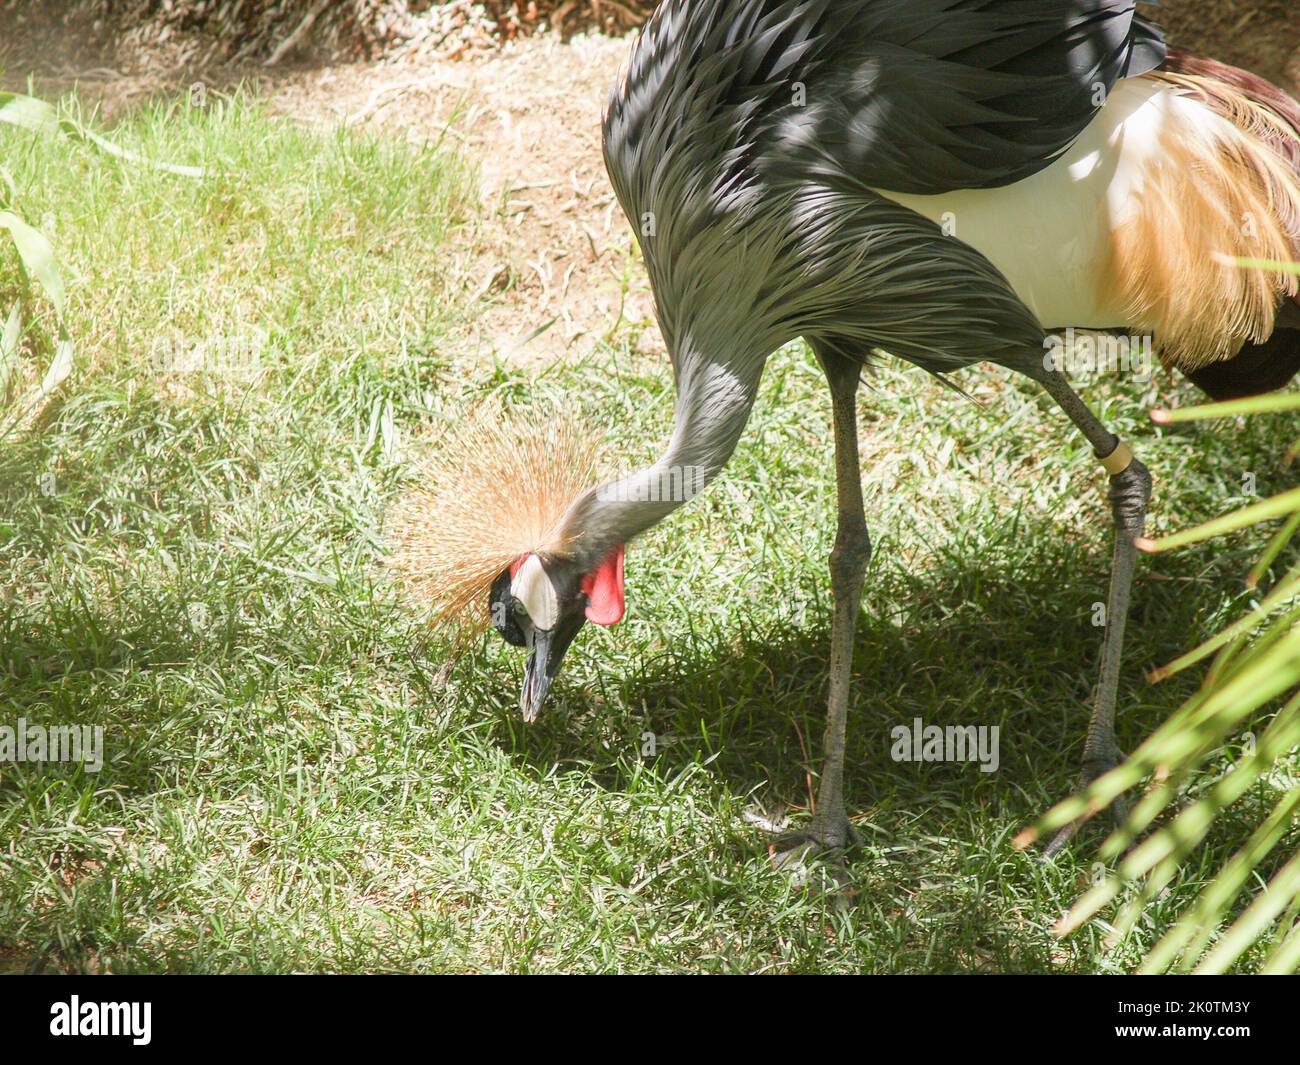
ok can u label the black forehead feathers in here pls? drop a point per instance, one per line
(502, 606)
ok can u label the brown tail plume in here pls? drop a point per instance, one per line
(1261, 109)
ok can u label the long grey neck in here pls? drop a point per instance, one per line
(713, 404)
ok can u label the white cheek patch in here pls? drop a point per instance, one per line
(533, 588)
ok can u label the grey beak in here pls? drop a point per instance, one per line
(548, 647)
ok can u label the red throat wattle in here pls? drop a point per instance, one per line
(603, 588)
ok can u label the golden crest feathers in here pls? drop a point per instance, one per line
(495, 488)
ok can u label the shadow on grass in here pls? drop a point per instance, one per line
(1007, 644)
(1020, 655)
(1005, 641)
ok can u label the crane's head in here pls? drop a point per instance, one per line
(486, 526)
(541, 602)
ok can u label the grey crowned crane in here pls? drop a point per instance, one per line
(790, 166)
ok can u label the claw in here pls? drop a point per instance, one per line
(1118, 809)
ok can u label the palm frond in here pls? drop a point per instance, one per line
(1253, 662)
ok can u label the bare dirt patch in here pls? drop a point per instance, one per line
(1262, 36)
(551, 261)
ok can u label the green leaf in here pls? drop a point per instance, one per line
(1259, 264)
(1265, 510)
(35, 115)
(37, 256)
(1254, 922)
(35, 401)
(1274, 548)
(1284, 590)
(59, 371)
(1273, 402)
(81, 132)
(28, 113)
(11, 190)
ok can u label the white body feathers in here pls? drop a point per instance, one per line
(1153, 158)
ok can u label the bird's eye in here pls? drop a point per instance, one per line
(521, 611)
(502, 607)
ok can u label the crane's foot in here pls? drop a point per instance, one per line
(813, 857)
(1092, 769)
(791, 850)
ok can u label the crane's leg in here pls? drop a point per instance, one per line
(1130, 491)
(830, 827)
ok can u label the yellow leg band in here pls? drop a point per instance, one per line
(1118, 460)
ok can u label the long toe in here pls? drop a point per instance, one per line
(818, 838)
(1093, 768)
(812, 865)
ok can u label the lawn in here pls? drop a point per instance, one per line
(298, 776)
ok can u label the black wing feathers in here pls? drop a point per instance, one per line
(920, 96)
(936, 95)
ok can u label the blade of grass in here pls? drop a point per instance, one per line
(1280, 539)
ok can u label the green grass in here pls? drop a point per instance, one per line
(296, 779)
